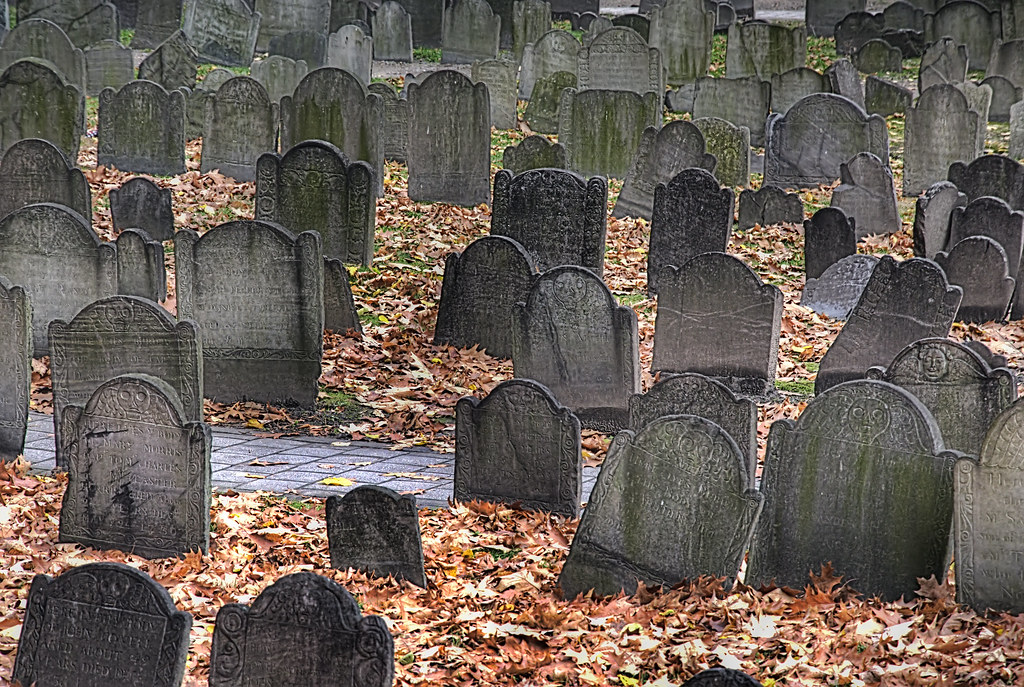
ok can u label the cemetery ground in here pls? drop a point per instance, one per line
(491, 614)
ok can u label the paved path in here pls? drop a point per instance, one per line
(297, 465)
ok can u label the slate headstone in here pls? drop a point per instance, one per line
(968, 23)
(1016, 147)
(945, 61)
(278, 18)
(619, 59)
(877, 56)
(932, 213)
(990, 175)
(1004, 95)
(36, 171)
(36, 103)
(395, 135)
(279, 75)
(139, 203)
(173, 64)
(140, 266)
(757, 48)
(637, 22)
(471, 32)
(731, 147)
(41, 39)
(349, 48)
(533, 152)
(821, 16)
(769, 205)
(1007, 60)
(991, 217)
(241, 124)
(108, 64)
(223, 31)
(885, 98)
(155, 23)
(531, 19)
(867, 194)
(392, 33)
(15, 369)
(856, 29)
(545, 100)
(98, 24)
(742, 102)
(978, 265)
(844, 80)
(555, 51)
(790, 86)
(500, 79)
(301, 46)
(142, 129)
(682, 30)
(829, 236)
(601, 129)
(839, 287)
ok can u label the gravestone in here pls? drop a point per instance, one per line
(500, 78)
(471, 32)
(663, 153)
(427, 21)
(806, 146)
(829, 236)
(968, 23)
(760, 49)
(533, 152)
(742, 102)
(36, 171)
(108, 64)
(769, 205)
(241, 124)
(867, 194)
(555, 51)
(721, 677)
(932, 213)
(339, 307)
(790, 86)
(155, 23)
(572, 336)
(350, 12)
(637, 22)
(314, 187)
(279, 18)
(200, 99)
(990, 175)
(877, 56)
(1007, 60)
(392, 33)
(256, 291)
(730, 146)
(714, 298)
(862, 456)
(223, 31)
(36, 103)
(138, 471)
(140, 266)
(557, 216)
(279, 75)
(173, 64)
(620, 60)
(682, 31)
(395, 136)
(304, 629)
(844, 80)
(821, 16)
(42, 40)
(856, 29)
(601, 129)
(692, 215)
(978, 265)
(885, 98)
(1004, 95)
(125, 607)
(545, 100)
(595, 27)
(50, 251)
(301, 46)
(672, 502)
(377, 531)
(902, 302)
(839, 287)
(350, 49)
(503, 10)
(449, 154)
(945, 61)
(518, 444)
(531, 19)
(991, 217)
(979, 98)
(98, 24)
(904, 15)
(127, 12)
(696, 394)
(15, 369)
(142, 129)
(141, 204)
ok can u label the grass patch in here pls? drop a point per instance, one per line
(804, 387)
(426, 54)
(126, 36)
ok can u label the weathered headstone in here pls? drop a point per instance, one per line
(637, 22)
(500, 79)
(730, 146)
(990, 175)
(140, 266)
(173, 64)
(866, 194)
(769, 205)
(991, 217)
(839, 287)
(1004, 95)
(427, 21)
(395, 136)
(619, 59)
(350, 49)
(545, 100)
(36, 103)
(682, 31)
(15, 369)
(108, 64)
(742, 102)
(141, 204)
(533, 152)
(945, 61)
(142, 129)
(279, 18)
(241, 124)
(301, 46)
(1007, 60)
(392, 33)
(199, 100)
(223, 31)
(856, 29)
(339, 307)
(36, 171)
(979, 99)
(760, 49)
(877, 56)
(932, 213)
(968, 23)
(156, 22)
(41, 39)
(471, 32)
(978, 265)
(885, 98)
(789, 87)
(844, 80)
(97, 24)
(829, 236)
(821, 16)
(555, 51)
(531, 19)
(279, 75)
(601, 129)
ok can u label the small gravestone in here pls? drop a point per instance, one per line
(663, 153)
(142, 129)
(795, 84)
(682, 30)
(531, 19)
(395, 136)
(155, 23)
(43, 40)
(806, 146)
(601, 130)
(886, 98)
(141, 204)
(829, 236)
(556, 215)
(339, 308)
(471, 32)
(711, 299)
(172, 65)
(730, 145)
(138, 471)
(349, 48)
(821, 16)
(991, 217)
(572, 336)
(35, 102)
(721, 677)
(223, 31)
(902, 302)
(877, 56)
(140, 266)
(866, 193)
(500, 78)
(968, 23)
(533, 152)
(518, 444)
(542, 111)
(303, 628)
(990, 175)
(555, 51)
(672, 502)
(36, 171)
(939, 131)
(979, 98)
(978, 265)
(696, 394)
(256, 292)
(760, 49)
(199, 100)
(769, 205)
(1004, 95)
(1007, 60)
(301, 46)
(692, 215)
(108, 64)
(943, 62)
(856, 29)
(839, 287)
(480, 289)
(278, 18)
(392, 33)
(128, 609)
(742, 102)
(279, 75)
(377, 531)
(844, 80)
(932, 214)
(449, 140)
(241, 124)
(15, 369)
(620, 60)
(637, 22)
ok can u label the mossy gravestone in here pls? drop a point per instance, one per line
(351, 49)
(279, 18)
(760, 49)
(377, 531)
(241, 125)
(672, 502)
(101, 625)
(141, 204)
(790, 86)
(303, 629)
(15, 368)
(619, 59)
(500, 79)
(223, 31)
(471, 32)
(730, 145)
(518, 445)
(839, 287)
(542, 111)
(742, 102)
(142, 129)
(35, 102)
(682, 31)
(555, 51)
(155, 23)
(392, 33)
(138, 471)
(601, 129)
(863, 456)
(36, 171)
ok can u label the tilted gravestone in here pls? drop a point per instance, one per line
(256, 292)
(62, 264)
(555, 51)
(500, 78)
(279, 18)
(140, 266)
(533, 152)
(867, 194)
(556, 215)
(395, 135)
(306, 629)
(142, 129)
(715, 298)
(223, 31)
(141, 204)
(968, 23)
(138, 471)
(531, 19)
(790, 86)
(427, 21)
(862, 456)
(939, 131)
(156, 22)
(932, 213)
(663, 153)
(839, 287)
(844, 80)
(760, 49)
(672, 502)
(314, 187)
(769, 205)
(108, 64)
(303, 46)
(480, 289)
(15, 369)
(542, 111)
(241, 124)
(36, 171)
(35, 102)
(377, 531)
(41, 39)
(821, 16)
(1004, 95)
(742, 102)
(877, 56)
(339, 307)
(471, 32)
(449, 154)
(990, 175)
(978, 265)
(692, 215)
(392, 32)
(805, 146)
(731, 147)
(601, 129)
(945, 61)
(126, 608)
(829, 236)
(902, 302)
(991, 217)
(572, 336)
(519, 444)
(696, 394)
(682, 30)
(173, 64)
(620, 60)
(886, 98)
(351, 49)
(279, 75)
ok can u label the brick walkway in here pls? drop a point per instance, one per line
(297, 465)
